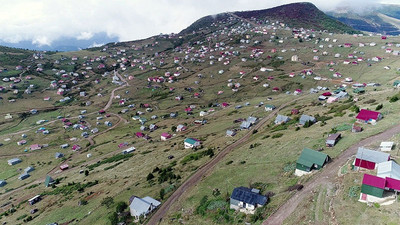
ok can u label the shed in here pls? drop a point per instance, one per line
(269, 107)
(386, 146)
(230, 133)
(332, 139)
(369, 159)
(310, 159)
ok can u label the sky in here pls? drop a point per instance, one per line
(44, 21)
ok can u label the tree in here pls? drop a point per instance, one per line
(150, 176)
(113, 218)
(121, 206)
(173, 128)
(107, 201)
(162, 193)
(86, 172)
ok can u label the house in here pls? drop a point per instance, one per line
(355, 128)
(128, 150)
(269, 107)
(29, 169)
(180, 128)
(21, 142)
(368, 116)
(76, 148)
(64, 146)
(48, 181)
(294, 112)
(369, 159)
(2, 183)
(14, 161)
(305, 118)
(35, 199)
(165, 136)
(191, 143)
(203, 113)
(230, 133)
(396, 83)
(247, 200)
(35, 147)
(372, 187)
(59, 155)
(332, 139)
(281, 119)
(142, 206)
(245, 125)
(64, 167)
(388, 169)
(386, 146)
(310, 159)
(23, 176)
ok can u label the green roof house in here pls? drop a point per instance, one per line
(49, 181)
(396, 83)
(359, 91)
(309, 160)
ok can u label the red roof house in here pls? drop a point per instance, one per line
(165, 136)
(368, 116)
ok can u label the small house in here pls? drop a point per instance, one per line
(332, 139)
(180, 128)
(23, 176)
(369, 159)
(59, 155)
(281, 119)
(35, 199)
(388, 169)
(64, 146)
(35, 147)
(128, 150)
(142, 206)
(269, 107)
(230, 133)
(386, 146)
(305, 118)
(48, 181)
(372, 187)
(21, 142)
(310, 159)
(76, 148)
(192, 143)
(2, 183)
(165, 136)
(247, 200)
(14, 161)
(368, 116)
(29, 169)
(64, 167)
(355, 128)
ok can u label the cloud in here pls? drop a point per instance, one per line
(44, 21)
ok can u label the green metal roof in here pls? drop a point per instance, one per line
(309, 157)
(48, 181)
(370, 190)
(191, 141)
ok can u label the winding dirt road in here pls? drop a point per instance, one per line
(328, 174)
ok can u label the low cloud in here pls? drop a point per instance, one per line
(44, 21)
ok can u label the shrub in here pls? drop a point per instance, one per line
(107, 201)
(121, 206)
(229, 162)
(379, 107)
(394, 99)
(278, 135)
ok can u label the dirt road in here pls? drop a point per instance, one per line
(206, 169)
(328, 174)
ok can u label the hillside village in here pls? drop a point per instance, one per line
(247, 112)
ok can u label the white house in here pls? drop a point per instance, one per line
(192, 143)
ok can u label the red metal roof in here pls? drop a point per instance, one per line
(392, 183)
(374, 181)
(367, 115)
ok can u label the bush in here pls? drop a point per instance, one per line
(150, 176)
(394, 99)
(278, 135)
(229, 162)
(379, 107)
(107, 201)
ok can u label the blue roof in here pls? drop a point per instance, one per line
(23, 176)
(247, 196)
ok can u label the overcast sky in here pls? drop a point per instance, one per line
(43, 21)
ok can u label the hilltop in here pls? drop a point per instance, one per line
(296, 15)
